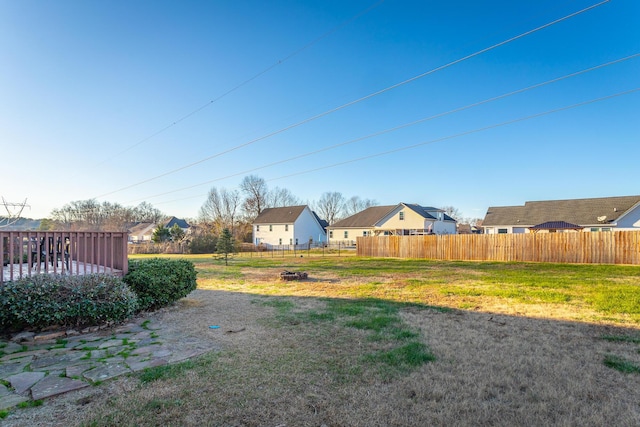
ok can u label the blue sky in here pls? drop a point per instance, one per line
(96, 100)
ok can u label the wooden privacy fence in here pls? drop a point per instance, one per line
(25, 253)
(621, 247)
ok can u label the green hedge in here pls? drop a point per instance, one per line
(73, 301)
(159, 282)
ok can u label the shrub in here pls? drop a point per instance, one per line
(159, 282)
(44, 300)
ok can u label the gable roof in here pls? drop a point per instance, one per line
(371, 216)
(142, 228)
(365, 218)
(425, 211)
(323, 222)
(284, 215)
(173, 221)
(556, 225)
(604, 210)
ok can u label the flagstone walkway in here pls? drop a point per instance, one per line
(38, 366)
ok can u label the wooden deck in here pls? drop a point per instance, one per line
(18, 271)
(25, 253)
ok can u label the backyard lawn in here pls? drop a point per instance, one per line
(388, 342)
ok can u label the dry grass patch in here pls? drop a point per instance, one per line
(385, 343)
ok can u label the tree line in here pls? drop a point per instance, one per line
(233, 210)
(236, 210)
(81, 215)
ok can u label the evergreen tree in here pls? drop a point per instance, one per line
(161, 234)
(177, 233)
(225, 245)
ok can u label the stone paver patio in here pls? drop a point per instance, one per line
(38, 366)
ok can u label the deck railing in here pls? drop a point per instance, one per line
(25, 253)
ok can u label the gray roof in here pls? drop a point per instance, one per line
(285, 215)
(576, 211)
(323, 222)
(365, 218)
(370, 216)
(173, 221)
(421, 210)
(141, 227)
(424, 211)
(556, 225)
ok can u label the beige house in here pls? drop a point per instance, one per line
(401, 219)
(141, 232)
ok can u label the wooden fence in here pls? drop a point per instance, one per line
(24, 253)
(621, 247)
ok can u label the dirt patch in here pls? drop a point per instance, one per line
(188, 318)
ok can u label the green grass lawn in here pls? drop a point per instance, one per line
(396, 342)
(599, 292)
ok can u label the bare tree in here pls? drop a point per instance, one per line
(453, 212)
(355, 204)
(279, 197)
(330, 206)
(255, 191)
(79, 214)
(221, 209)
(91, 215)
(145, 212)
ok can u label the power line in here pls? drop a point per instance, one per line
(402, 126)
(408, 147)
(348, 104)
(247, 81)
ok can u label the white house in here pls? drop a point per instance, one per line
(591, 215)
(401, 219)
(291, 225)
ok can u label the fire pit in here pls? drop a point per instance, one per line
(290, 275)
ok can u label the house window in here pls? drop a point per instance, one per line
(401, 216)
(280, 242)
(346, 234)
(502, 231)
(286, 227)
(606, 228)
(296, 240)
(331, 234)
(257, 228)
(365, 233)
(270, 227)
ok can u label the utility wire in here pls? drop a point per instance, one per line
(247, 81)
(408, 147)
(402, 126)
(420, 144)
(348, 104)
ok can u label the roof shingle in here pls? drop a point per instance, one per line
(576, 211)
(284, 215)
